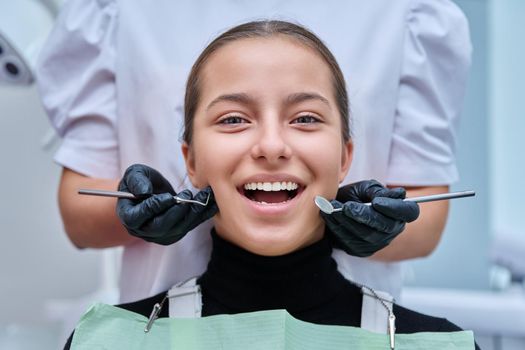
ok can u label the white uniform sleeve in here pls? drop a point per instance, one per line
(76, 79)
(437, 54)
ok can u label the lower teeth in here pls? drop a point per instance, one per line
(273, 203)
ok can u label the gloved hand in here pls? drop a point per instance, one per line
(362, 230)
(156, 216)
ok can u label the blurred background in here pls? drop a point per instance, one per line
(475, 277)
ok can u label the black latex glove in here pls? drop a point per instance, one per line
(362, 230)
(155, 216)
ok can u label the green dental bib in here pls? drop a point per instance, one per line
(109, 327)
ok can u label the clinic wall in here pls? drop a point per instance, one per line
(507, 122)
(461, 259)
(37, 262)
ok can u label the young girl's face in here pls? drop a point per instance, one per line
(267, 139)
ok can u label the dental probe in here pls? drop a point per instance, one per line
(121, 194)
(326, 207)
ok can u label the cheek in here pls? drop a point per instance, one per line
(216, 158)
(205, 165)
(203, 156)
(324, 160)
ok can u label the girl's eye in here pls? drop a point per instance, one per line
(233, 120)
(306, 119)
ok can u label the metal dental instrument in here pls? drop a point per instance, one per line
(120, 194)
(326, 207)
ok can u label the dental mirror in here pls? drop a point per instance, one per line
(121, 194)
(326, 207)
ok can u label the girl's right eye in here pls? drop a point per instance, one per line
(232, 120)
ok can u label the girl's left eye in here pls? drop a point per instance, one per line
(306, 119)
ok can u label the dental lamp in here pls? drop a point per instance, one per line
(24, 26)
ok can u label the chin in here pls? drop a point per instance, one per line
(274, 241)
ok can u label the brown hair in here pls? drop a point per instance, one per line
(265, 28)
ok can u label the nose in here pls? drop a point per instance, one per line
(271, 144)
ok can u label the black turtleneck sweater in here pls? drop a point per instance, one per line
(306, 283)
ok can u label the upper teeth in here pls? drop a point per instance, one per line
(271, 186)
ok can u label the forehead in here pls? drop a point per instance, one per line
(266, 62)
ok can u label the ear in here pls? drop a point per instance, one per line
(347, 155)
(189, 159)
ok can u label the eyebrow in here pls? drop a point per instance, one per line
(290, 99)
(306, 96)
(237, 97)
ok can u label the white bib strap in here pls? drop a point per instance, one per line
(185, 300)
(374, 315)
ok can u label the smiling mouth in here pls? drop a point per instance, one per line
(271, 192)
